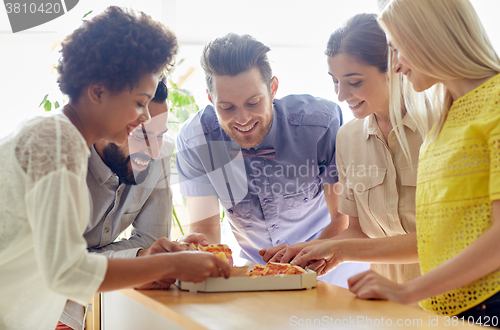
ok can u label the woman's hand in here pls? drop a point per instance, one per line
(196, 266)
(282, 253)
(269, 254)
(321, 257)
(370, 285)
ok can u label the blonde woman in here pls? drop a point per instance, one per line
(378, 181)
(442, 43)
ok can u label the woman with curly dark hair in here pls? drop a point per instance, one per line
(109, 67)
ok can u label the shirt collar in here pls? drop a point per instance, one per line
(100, 171)
(370, 126)
(270, 138)
(410, 123)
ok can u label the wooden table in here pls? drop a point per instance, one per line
(324, 307)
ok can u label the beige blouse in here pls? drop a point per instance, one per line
(378, 184)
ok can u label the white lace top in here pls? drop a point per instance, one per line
(44, 210)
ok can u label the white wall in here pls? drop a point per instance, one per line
(296, 30)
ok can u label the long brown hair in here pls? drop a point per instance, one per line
(363, 38)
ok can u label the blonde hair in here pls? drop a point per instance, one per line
(404, 101)
(443, 39)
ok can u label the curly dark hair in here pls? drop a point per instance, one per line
(116, 48)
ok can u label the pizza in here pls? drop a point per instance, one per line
(275, 268)
(271, 268)
(222, 251)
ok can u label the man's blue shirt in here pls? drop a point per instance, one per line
(268, 202)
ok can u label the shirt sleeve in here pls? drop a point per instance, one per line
(55, 207)
(326, 148)
(192, 155)
(55, 161)
(347, 203)
(152, 222)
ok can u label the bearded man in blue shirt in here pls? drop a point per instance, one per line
(269, 162)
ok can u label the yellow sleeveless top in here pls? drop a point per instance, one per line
(458, 178)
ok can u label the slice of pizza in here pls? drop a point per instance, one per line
(275, 268)
(220, 250)
(257, 270)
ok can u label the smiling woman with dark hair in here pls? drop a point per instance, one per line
(377, 174)
(109, 68)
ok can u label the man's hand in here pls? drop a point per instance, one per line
(161, 245)
(194, 238)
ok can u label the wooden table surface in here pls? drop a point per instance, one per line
(324, 307)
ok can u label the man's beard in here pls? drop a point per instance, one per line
(262, 133)
(120, 165)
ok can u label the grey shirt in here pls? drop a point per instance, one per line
(115, 206)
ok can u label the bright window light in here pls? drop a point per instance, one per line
(296, 30)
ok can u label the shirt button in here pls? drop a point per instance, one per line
(106, 230)
(273, 226)
(230, 211)
(305, 200)
(278, 241)
(266, 201)
(100, 180)
(394, 138)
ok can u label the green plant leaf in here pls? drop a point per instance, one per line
(43, 101)
(47, 105)
(56, 105)
(177, 220)
(87, 14)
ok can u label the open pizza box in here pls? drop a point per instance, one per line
(306, 280)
